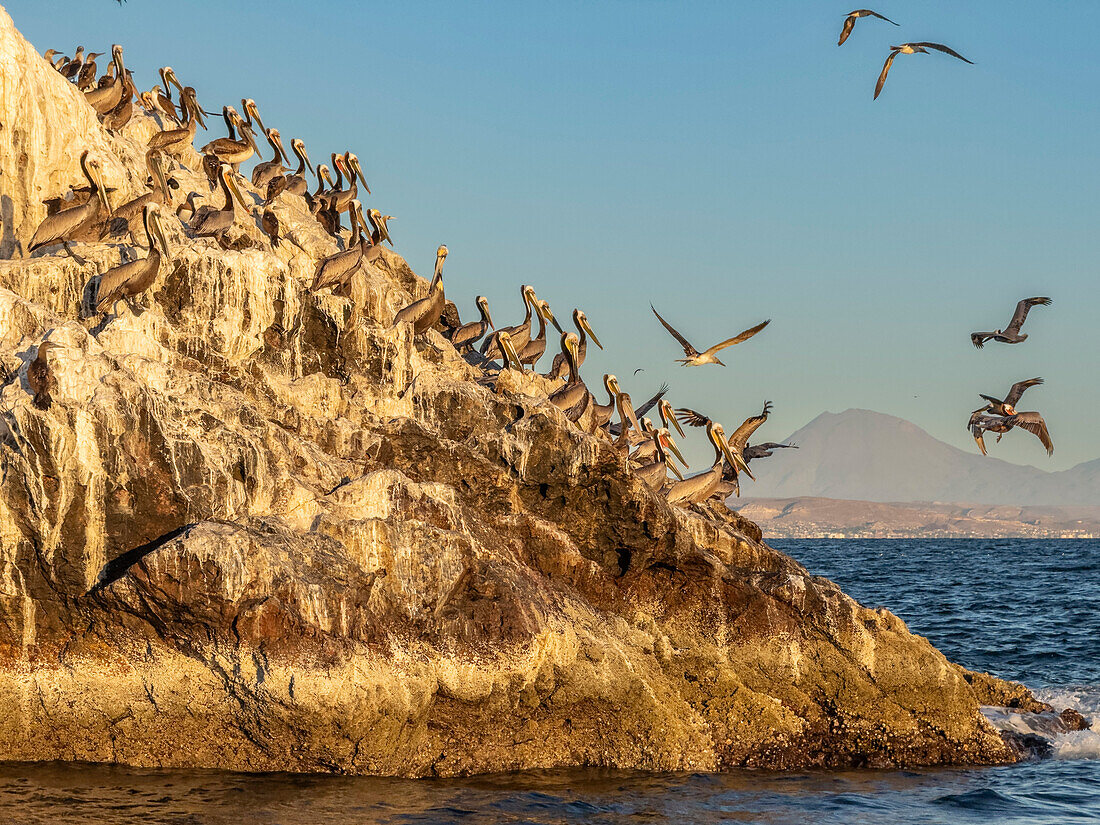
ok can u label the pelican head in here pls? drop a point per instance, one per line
(299, 148)
(611, 384)
(647, 425)
(225, 171)
(542, 307)
(251, 112)
(665, 438)
(324, 176)
(483, 305)
(356, 212)
(150, 215)
(581, 320)
(168, 75)
(93, 171)
(509, 349)
(528, 293)
(246, 132)
(354, 170)
(668, 415)
(571, 344)
(191, 103)
(276, 141)
(116, 56)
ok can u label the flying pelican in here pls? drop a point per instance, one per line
(464, 338)
(264, 172)
(104, 98)
(296, 183)
(215, 223)
(174, 141)
(60, 226)
(337, 270)
(912, 48)
(850, 23)
(135, 277)
(1031, 421)
(700, 487)
(558, 368)
(1011, 334)
(519, 333)
(1008, 405)
(40, 377)
(710, 356)
(655, 473)
(765, 450)
(424, 314)
(979, 424)
(535, 348)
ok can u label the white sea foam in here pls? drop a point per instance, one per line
(1079, 744)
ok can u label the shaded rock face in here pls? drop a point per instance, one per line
(259, 529)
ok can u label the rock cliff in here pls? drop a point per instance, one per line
(259, 529)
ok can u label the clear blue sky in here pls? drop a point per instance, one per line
(724, 160)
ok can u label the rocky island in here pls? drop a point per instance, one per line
(261, 528)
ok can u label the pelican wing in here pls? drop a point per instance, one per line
(740, 438)
(1018, 390)
(112, 281)
(1034, 424)
(1022, 308)
(885, 71)
(979, 438)
(689, 350)
(849, 24)
(692, 418)
(869, 13)
(942, 48)
(652, 402)
(978, 339)
(737, 339)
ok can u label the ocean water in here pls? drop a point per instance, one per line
(1021, 609)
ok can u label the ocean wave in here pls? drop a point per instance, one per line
(1073, 744)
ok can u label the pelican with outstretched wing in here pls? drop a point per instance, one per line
(695, 358)
(912, 48)
(850, 22)
(1011, 334)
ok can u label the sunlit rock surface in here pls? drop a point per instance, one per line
(258, 529)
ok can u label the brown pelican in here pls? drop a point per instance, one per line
(72, 68)
(736, 443)
(424, 314)
(535, 348)
(912, 48)
(765, 450)
(1011, 334)
(337, 270)
(464, 338)
(296, 184)
(135, 277)
(124, 111)
(519, 333)
(215, 223)
(174, 141)
(1008, 406)
(510, 356)
(850, 23)
(89, 74)
(380, 222)
(266, 171)
(60, 226)
(603, 412)
(340, 200)
(104, 98)
(164, 99)
(251, 113)
(558, 368)
(668, 415)
(696, 358)
(628, 420)
(700, 487)
(979, 424)
(234, 151)
(121, 219)
(40, 378)
(573, 398)
(654, 474)
(1031, 421)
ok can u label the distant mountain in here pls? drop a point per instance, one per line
(870, 456)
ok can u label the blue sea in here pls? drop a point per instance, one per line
(1021, 609)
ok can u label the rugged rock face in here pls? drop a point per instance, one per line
(258, 529)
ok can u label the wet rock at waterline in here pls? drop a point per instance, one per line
(258, 529)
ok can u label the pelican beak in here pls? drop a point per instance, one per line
(675, 470)
(277, 140)
(305, 157)
(357, 170)
(116, 55)
(253, 113)
(170, 77)
(670, 414)
(488, 317)
(667, 441)
(251, 140)
(101, 188)
(591, 334)
(719, 362)
(158, 230)
(227, 176)
(549, 316)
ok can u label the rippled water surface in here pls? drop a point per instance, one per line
(1021, 609)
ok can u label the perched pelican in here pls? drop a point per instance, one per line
(264, 172)
(1008, 406)
(850, 23)
(337, 270)
(710, 356)
(573, 398)
(120, 220)
(296, 183)
(381, 226)
(234, 151)
(135, 277)
(464, 338)
(912, 48)
(655, 473)
(251, 113)
(510, 356)
(424, 314)
(215, 223)
(668, 416)
(628, 420)
(104, 98)
(535, 348)
(124, 111)
(60, 226)
(736, 442)
(519, 333)
(1011, 334)
(580, 321)
(174, 141)
(700, 487)
(40, 378)
(603, 412)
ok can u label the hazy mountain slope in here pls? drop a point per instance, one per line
(860, 454)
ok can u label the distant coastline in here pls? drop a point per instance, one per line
(816, 517)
